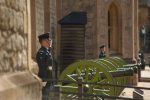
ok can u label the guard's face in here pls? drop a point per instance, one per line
(45, 42)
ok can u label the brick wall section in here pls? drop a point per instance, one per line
(13, 40)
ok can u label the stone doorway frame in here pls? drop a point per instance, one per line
(114, 29)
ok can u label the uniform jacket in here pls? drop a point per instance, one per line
(102, 55)
(44, 60)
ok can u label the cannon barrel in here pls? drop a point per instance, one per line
(118, 73)
(115, 74)
(112, 70)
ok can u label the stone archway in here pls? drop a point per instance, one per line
(114, 30)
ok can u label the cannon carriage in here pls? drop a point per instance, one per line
(111, 70)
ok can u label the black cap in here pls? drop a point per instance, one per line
(43, 36)
(102, 46)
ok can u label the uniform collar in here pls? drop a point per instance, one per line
(46, 49)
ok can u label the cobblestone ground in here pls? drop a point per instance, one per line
(144, 74)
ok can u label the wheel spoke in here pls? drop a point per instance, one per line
(89, 71)
(70, 87)
(78, 71)
(71, 78)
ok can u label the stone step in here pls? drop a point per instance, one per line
(139, 91)
(144, 79)
(137, 95)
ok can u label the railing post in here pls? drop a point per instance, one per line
(139, 72)
(131, 78)
(135, 76)
(80, 88)
(58, 93)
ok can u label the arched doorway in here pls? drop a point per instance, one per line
(114, 30)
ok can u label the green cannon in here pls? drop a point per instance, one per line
(110, 70)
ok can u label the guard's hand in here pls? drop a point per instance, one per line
(50, 68)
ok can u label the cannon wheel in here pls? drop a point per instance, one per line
(120, 63)
(113, 64)
(85, 67)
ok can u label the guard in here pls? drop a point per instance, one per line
(102, 52)
(44, 60)
(142, 60)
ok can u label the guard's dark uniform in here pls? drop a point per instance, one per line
(102, 55)
(142, 60)
(44, 60)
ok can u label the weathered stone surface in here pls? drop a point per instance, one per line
(88, 6)
(16, 82)
(39, 16)
(97, 26)
(2, 41)
(2, 1)
(21, 85)
(13, 42)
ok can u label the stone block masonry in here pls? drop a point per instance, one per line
(17, 83)
(13, 40)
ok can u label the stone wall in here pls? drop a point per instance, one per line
(147, 58)
(143, 16)
(88, 6)
(126, 27)
(144, 20)
(13, 40)
(97, 27)
(41, 14)
(39, 5)
(53, 25)
(16, 80)
(44, 20)
(143, 2)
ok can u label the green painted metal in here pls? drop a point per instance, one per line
(99, 65)
(115, 63)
